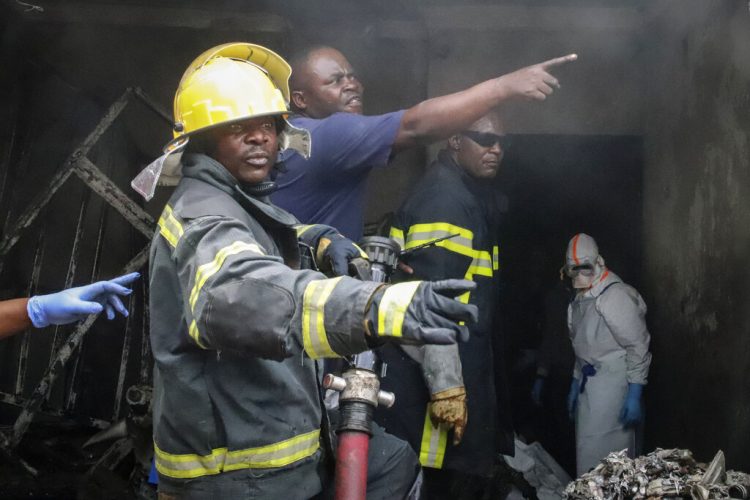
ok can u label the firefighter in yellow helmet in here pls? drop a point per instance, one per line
(237, 328)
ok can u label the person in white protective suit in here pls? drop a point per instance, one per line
(607, 325)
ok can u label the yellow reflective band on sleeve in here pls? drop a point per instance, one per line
(209, 269)
(221, 459)
(314, 337)
(397, 235)
(205, 271)
(434, 441)
(495, 258)
(302, 228)
(392, 308)
(195, 335)
(170, 227)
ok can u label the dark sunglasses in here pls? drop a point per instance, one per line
(486, 139)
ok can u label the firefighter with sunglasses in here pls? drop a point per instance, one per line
(607, 324)
(447, 406)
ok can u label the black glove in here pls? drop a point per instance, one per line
(335, 252)
(421, 312)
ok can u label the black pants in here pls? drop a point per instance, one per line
(392, 469)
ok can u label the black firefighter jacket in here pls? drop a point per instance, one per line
(233, 329)
(447, 201)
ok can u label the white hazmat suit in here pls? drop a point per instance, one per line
(608, 330)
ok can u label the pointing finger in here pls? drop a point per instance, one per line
(126, 279)
(558, 61)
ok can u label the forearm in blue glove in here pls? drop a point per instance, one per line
(632, 409)
(74, 304)
(421, 312)
(335, 252)
(575, 390)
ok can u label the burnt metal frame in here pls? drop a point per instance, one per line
(78, 164)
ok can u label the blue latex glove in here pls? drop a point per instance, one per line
(575, 390)
(153, 475)
(632, 410)
(536, 391)
(337, 252)
(74, 304)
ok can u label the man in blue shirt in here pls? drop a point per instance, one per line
(328, 188)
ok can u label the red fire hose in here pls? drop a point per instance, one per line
(360, 394)
(351, 465)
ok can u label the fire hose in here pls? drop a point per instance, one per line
(359, 384)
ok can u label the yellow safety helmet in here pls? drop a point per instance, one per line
(277, 68)
(225, 84)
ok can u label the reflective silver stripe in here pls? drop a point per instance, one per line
(397, 235)
(434, 442)
(420, 234)
(314, 336)
(495, 258)
(482, 263)
(170, 227)
(219, 460)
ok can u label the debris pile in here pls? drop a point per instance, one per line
(660, 474)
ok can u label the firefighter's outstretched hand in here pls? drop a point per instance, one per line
(421, 312)
(449, 408)
(534, 82)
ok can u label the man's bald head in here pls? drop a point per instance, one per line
(323, 83)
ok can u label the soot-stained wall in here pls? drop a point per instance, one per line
(697, 227)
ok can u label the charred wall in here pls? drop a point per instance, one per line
(696, 217)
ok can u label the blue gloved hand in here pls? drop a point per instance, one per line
(536, 391)
(74, 304)
(632, 410)
(335, 252)
(575, 390)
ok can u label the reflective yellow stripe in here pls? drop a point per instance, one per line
(301, 228)
(481, 261)
(170, 227)
(392, 307)
(419, 234)
(195, 335)
(207, 270)
(434, 441)
(397, 235)
(221, 459)
(495, 258)
(314, 335)
(482, 264)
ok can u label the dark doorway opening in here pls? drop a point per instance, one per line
(556, 186)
